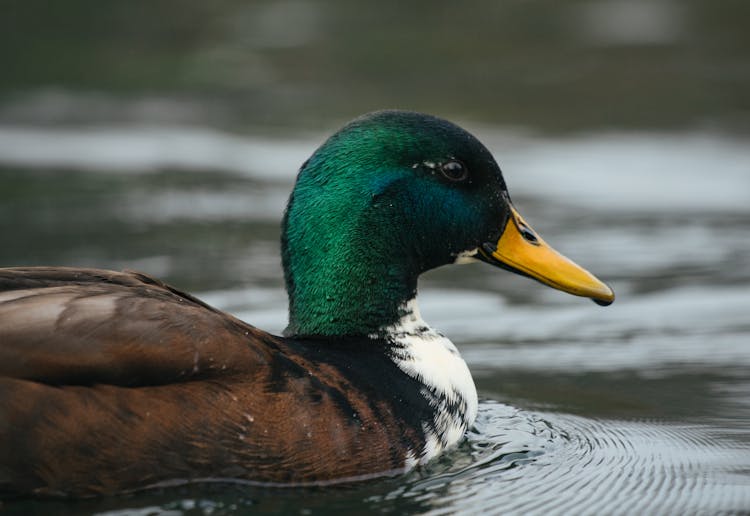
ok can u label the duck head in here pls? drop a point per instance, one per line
(389, 196)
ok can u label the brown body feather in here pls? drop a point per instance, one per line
(114, 381)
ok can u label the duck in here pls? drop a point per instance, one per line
(114, 382)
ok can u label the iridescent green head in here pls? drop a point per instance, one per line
(389, 196)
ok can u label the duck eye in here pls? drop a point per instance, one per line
(454, 170)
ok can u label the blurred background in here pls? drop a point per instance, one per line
(305, 64)
(164, 136)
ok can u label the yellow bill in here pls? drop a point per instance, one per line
(521, 250)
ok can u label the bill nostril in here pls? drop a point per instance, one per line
(527, 233)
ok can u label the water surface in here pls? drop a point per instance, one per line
(641, 407)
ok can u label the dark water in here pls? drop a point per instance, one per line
(641, 407)
(165, 138)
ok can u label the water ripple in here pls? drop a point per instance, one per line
(538, 463)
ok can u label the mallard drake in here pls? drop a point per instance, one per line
(115, 381)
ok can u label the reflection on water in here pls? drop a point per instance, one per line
(639, 408)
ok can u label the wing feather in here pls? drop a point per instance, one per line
(83, 326)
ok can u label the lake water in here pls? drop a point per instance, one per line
(641, 407)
